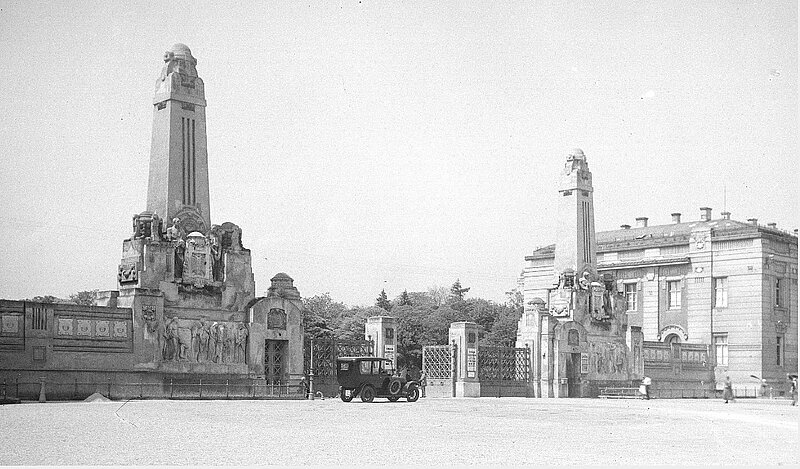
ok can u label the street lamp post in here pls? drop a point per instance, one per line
(311, 373)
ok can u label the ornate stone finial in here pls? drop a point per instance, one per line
(283, 287)
(179, 59)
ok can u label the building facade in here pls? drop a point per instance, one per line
(715, 281)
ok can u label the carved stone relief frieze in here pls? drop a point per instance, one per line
(128, 273)
(608, 358)
(149, 316)
(10, 324)
(276, 319)
(102, 329)
(201, 341)
(65, 326)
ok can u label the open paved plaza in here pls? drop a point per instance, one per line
(507, 431)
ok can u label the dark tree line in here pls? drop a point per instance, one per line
(423, 318)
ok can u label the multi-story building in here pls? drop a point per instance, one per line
(716, 281)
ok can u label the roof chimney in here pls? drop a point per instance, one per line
(705, 214)
(676, 217)
(753, 221)
(628, 227)
(772, 225)
(641, 222)
(726, 215)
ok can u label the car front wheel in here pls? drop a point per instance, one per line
(347, 395)
(367, 394)
(413, 394)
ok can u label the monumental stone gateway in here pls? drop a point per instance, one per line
(185, 304)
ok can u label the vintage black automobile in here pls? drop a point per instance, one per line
(371, 377)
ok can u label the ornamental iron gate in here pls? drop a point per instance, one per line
(326, 351)
(504, 370)
(438, 364)
(275, 361)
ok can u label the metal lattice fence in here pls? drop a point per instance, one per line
(437, 361)
(326, 351)
(503, 363)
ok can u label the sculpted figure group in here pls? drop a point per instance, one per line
(203, 342)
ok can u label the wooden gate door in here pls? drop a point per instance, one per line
(275, 361)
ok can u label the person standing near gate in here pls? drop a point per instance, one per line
(646, 382)
(423, 381)
(727, 390)
(793, 388)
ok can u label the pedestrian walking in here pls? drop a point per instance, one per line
(764, 388)
(423, 381)
(793, 386)
(727, 390)
(646, 382)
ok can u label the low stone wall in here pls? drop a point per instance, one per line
(77, 385)
(439, 387)
(678, 370)
(506, 389)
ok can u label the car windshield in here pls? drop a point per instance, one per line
(388, 366)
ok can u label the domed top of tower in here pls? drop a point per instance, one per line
(181, 49)
(577, 153)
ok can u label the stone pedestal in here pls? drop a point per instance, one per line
(464, 336)
(383, 331)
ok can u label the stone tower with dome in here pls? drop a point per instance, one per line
(575, 320)
(188, 282)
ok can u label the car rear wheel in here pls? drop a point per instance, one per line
(347, 395)
(413, 394)
(367, 394)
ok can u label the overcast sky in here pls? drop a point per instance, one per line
(368, 144)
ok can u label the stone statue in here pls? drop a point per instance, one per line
(216, 254)
(220, 343)
(174, 340)
(161, 351)
(205, 336)
(174, 232)
(180, 258)
(241, 344)
(195, 354)
(168, 349)
(584, 282)
(228, 346)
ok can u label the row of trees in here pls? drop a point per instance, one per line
(80, 298)
(423, 318)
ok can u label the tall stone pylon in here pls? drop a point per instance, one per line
(178, 182)
(576, 248)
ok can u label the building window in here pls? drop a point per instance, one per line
(779, 350)
(721, 292)
(674, 293)
(779, 292)
(630, 296)
(721, 349)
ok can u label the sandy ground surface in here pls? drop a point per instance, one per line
(507, 431)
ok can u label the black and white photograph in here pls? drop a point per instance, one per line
(365, 233)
